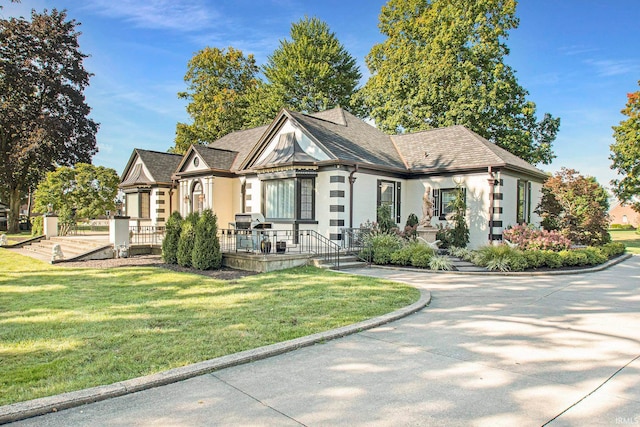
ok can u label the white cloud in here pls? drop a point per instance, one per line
(158, 14)
(608, 68)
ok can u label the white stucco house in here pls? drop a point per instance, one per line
(331, 170)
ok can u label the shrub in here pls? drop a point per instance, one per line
(535, 259)
(421, 256)
(385, 222)
(440, 262)
(382, 246)
(552, 259)
(37, 226)
(501, 257)
(410, 229)
(622, 227)
(206, 253)
(612, 249)
(187, 236)
(529, 238)
(573, 258)
(594, 256)
(459, 235)
(444, 235)
(171, 238)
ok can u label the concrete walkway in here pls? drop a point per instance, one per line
(488, 351)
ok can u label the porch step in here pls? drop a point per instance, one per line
(72, 248)
(346, 262)
(462, 265)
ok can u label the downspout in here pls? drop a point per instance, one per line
(173, 183)
(352, 180)
(492, 182)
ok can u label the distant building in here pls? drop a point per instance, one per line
(624, 215)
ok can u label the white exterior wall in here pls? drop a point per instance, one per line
(510, 199)
(303, 141)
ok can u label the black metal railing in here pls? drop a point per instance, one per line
(146, 234)
(279, 242)
(356, 241)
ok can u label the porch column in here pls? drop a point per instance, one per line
(50, 226)
(119, 231)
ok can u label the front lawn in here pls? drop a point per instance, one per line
(629, 237)
(64, 329)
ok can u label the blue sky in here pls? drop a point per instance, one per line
(577, 58)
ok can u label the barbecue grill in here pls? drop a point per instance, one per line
(249, 235)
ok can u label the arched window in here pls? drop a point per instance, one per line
(197, 197)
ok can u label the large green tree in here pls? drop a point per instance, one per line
(44, 119)
(82, 191)
(576, 206)
(442, 64)
(626, 153)
(311, 71)
(218, 83)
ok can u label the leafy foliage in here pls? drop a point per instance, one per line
(459, 235)
(206, 247)
(187, 237)
(218, 82)
(576, 206)
(43, 115)
(442, 64)
(625, 152)
(312, 71)
(37, 226)
(173, 229)
(82, 191)
(385, 223)
(527, 237)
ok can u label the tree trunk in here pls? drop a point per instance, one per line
(13, 222)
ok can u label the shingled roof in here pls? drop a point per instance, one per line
(455, 148)
(160, 166)
(216, 158)
(241, 141)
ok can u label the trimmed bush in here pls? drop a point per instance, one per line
(206, 253)
(612, 249)
(529, 238)
(622, 227)
(187, 237)
(573, 258)
(535, 259)
(552, 259)
(171, 238)
(37, 226)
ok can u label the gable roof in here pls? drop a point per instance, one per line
(160, 166)
(456, 148)
(216, 158)
(242, 142)
(286, 151)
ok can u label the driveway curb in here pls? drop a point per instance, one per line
(44, 405)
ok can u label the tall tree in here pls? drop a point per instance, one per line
(83, 191)
(310, 72)
(443, 64)
(626, 153)
(218, 83)
(577, 206)
(43, 114)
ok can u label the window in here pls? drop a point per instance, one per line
(389, 194)
(443, 199)
(138, 206)
(290, 199)
(524, 202)
(197, 198)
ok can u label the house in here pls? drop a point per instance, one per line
(624, 215)
(331, 170)
(149, 193)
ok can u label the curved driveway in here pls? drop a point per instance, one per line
(488, 351)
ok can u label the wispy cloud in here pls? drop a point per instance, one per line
(158, 14)
(574, 50)
(608, 68)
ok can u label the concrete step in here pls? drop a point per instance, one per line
(71, 247)
(462, 265)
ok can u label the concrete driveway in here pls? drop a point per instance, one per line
(488, 351)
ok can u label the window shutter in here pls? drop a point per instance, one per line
(529, 202)
(379, 197)
(436, 203)
(397, 202)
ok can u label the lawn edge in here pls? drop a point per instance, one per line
(44, 405)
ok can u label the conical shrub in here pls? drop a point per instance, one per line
(171, 238)
(187, 237)
(206, 248)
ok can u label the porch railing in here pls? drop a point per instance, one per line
(279, 242)
(355, 241)
(146, 234)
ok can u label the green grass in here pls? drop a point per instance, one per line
(629, 237)
(64, 329)
(17, 237)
